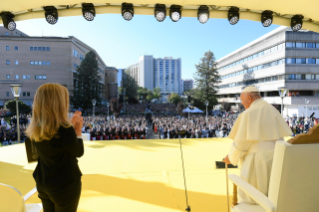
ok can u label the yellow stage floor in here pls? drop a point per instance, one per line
(137, 175)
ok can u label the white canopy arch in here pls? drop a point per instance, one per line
(249, 9)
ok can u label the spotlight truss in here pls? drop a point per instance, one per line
(175, 12)
(127, 11)
(233, 15)
(296, 23)
(51, 14)
(160, 12)
(266, 18)
(203, 14)
(88, 11)
(8, 22)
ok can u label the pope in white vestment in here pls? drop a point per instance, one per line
(255, 133)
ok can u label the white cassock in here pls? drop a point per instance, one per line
(255, 133)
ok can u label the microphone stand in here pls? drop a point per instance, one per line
(182, 157)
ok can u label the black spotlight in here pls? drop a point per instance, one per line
(127, 11)
(203, 14)
(266, 18)
(51, 14)
(233, 15)
(175, 12)
(160, 12)
(88, 11)
(8, 22)
(296, 23)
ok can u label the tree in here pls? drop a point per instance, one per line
(87, 84)
(206, 81)
(174, 98)
(157, 93)
(11, 105)
(142, 93)
(115, 107)
(130, 85)
(180, 108)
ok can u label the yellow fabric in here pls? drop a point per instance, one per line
(260, 122)
(32, 9)
(137, 175)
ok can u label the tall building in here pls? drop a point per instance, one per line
(188, 84)
(111, 82)
(164, 73)
(33, 61)
(281, 58)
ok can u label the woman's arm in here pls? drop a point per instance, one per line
(71, 142)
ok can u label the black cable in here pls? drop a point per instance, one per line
(182, 157)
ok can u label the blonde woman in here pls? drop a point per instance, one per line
(58, 141)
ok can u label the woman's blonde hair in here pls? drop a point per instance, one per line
(49, 112)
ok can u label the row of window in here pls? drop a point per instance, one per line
(302, 61)
(39, 48)
(273, 78)
(251, 57)
(309, 45)
(255, 68)
(40, 77)
(24, 94)
(77, 55)
(40, 63)
(16, 48)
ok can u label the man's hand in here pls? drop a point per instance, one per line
(77, 122)
(226, 160)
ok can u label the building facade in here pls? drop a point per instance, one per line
(188, 84)
(164, 73)
(33, 61)
(281, 58)
(111, 85)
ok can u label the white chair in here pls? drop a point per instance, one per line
(294, 181)
(11, 200)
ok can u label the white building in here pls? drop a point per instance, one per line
(281, 58)
(164, 73)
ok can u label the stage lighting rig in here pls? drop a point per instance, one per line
(296, 23)
(266, 18)
(175, 12)
(8, 22)
(51, 14)
(127, 11)
(160, 12)
(233, 15)
(203, 14)
(88, 11)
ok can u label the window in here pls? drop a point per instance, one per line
(303, 76)
(317, 76)
(301, 60)
(36, 77)
(40, 77)
(16, 48)
(24, 76)
(7, 94)
(48, 63)
(300, 45)
(44, 77)
(310, 45)
(7, 48)
(28, 76)
(39, 48)
(43, 49)
(8, 62)
(31, 48)
(24, 93)
(40, 63)
(75, 65)
(8, 76)
(317, 61)
(35, 62)
(317, 45)
(308, 76)
(17, 76)
(16, 62)
(311, 61)
(298, 76)
(313, 76)
(44, 63)
(35, 48)
(28, 93)
(48, 49)
(31, 62)
(7, 33)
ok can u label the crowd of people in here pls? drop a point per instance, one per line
(4, 112)
(167, 108)
(9, 131)
(123, 127)
(301, 124)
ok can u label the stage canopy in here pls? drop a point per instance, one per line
(283, 10)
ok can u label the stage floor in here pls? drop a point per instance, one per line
(137, 175)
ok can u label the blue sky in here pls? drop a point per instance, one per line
(120, 43)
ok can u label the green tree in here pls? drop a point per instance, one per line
(174, 98)
(130, 85)
(11, 105)
(206, 81)
(157, 93)
(87, 84)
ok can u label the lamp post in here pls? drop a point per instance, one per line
(108, 111)
(16, 90)
(307, 101)
(93, 103)
(282, 93)
(188, 105)
(206, 103)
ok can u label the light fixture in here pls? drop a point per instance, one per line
(296, 23)
(16, 90)
(51, 14)
(266, 18)
(160, 12)
(175, 12)
(8, 22)
(203, 14)
(233, 15)
(88, 11)
(127, 11)
(282, 93)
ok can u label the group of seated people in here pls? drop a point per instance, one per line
(123, 127)
(169, 127)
